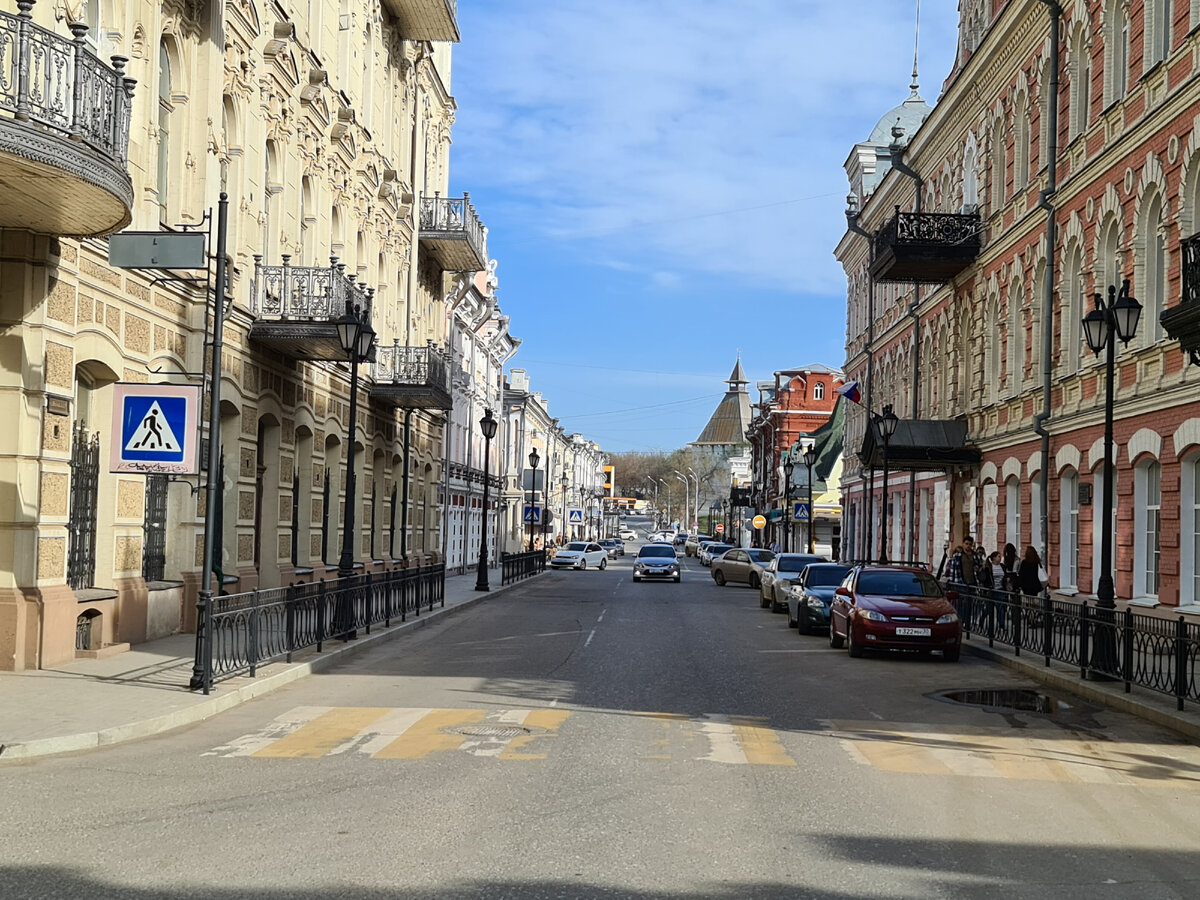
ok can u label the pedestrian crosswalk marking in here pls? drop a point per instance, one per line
(1059, 756)
(322, 735)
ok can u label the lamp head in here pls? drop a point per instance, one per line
(1095, 326)
(348, 327)
(888, 422)
(487, 425)
(534, 459)
(1125, 312)
(810, 457)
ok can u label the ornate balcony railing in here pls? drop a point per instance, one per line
(1182, 322)
(925, 247)
(451, 230)
(411, 377)
(312, 293)
(62, 86)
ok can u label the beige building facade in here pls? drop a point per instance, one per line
(328, 124)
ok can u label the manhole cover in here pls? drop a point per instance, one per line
(1019, 699)
(490, 731)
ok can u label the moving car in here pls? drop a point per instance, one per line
(580, 555)
(627, 534)
(779, 575)
(680, 538)
(713, 550)
(692, 545)
(614, 547)
(656, 561)
(880, 607)
(745, 566)
(809, 596)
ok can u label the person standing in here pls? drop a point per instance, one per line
(1028, 577)
(969, 563)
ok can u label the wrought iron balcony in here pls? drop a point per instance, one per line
(426, 20)
(64, 131)
(1182, 322)
(452, 233)
(296, 308)
(925, 247)
(411, 377)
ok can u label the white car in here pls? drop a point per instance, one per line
(580, 555)
(627, 534)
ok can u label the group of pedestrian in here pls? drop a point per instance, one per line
(969, 567)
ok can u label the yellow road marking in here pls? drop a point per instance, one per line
(548, 719)
(760, 745)
(323, 734)
(426, 735)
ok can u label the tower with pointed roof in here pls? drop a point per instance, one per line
(725, 433)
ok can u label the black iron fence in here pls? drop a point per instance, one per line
(257, 627)
(518, 566)
(1149, 651)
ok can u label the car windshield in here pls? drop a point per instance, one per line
(794, 563)
(654, 550)
(761, 556)
(825, 576)
(576, 545)
(899, 584)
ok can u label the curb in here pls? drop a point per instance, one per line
(215, 704)
(1073, 684)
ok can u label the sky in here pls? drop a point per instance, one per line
(663, 187)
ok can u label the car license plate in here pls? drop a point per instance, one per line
(913, 632)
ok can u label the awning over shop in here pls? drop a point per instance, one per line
(921, 444)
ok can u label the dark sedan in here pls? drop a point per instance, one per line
(810, 596)
(893, 608)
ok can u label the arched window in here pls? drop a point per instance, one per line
(1147, 503)
(1035, 324)
(272, 188)
(164, 130)
(1012, 512)
(91, 18)
(1068, 542)
(819, 391)
(1189, 523)
(993, 370)
(1043, 156)
(1016, 337)
(999, 166)
(308, 223)
(1081, 82)
(970, 175)
(1158, 31)
(1116, 51)
(1074, 309)
(1154, 270)
(1021, 143)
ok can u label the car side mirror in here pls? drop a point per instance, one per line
(843, 592)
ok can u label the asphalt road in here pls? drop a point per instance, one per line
(584, 737)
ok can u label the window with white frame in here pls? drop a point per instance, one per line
(992, 371)
(1068, 541)
(1189, 546)
(999, 166)
(970, 174)
(1036, 535)
(1012, 513)
(1016, 337)
(1116, 51)
(1073, 311)
(1021, 141)
(1158, 31)
(1147, 503)
(1081, 82)
(1097, 523)
(1154, 269)
(819, 391)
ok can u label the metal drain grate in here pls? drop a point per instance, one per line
(490, 731)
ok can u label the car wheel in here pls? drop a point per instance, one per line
(791, 619)
(951, 655)
(763, 600)
(583, 564)
(755, 581)
(852, 648)
(803, 626)
(835, 639)
(719, 578)
(603, 564)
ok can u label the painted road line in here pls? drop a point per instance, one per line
(388, 729)
(723, 745)
(324, 733)
(548, 720)
(427, 736)
(280, 727)
(760, 745)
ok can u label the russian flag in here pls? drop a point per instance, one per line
(849, 390)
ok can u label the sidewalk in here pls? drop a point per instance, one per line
(95, 702)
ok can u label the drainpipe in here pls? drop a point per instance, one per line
(1040, 419)
(852, 225)
(897, 151)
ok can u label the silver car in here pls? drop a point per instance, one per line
(781, 574)
(744, 566)
(580, 555)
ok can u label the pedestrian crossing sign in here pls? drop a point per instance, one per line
(533, 514)
(575, 516)
(155, 429)
(800, 512)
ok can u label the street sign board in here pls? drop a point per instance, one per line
(575, 516)
(720, 528)
(760, 521)
(155, 429)
(533, 514)
(157, 250)
(800, 512)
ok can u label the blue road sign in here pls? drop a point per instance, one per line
(575, 516)
(155, 428)
(533, 514)
(800, 512)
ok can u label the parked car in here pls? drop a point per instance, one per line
(627, 534)
(779, 575)
(580, 555)
(693, 543)
(713, 550)
(614, 547)
(810, 595)
(882, 607)
(680, 538)
(656, 561)
(744, 566)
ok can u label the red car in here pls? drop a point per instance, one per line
(880, 607)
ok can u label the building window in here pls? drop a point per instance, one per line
(1021, 140)
(999, 166)
(1154, 273)
(819, 391)
(1068, 572)
(1158, 31)
(1189, 544)
(1147, 503)
(1074, 308)
(1097, 525)
(1012, 512)
(1016, 338)
(164, 130)
(1081, 82)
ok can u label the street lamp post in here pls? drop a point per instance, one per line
(563, 483)
(886, 425)
(667, 485)
(487, 427)
(533, 464)
(1118, 318)
(687, 488)
(695, 500)
(809, 459)
(788, 468)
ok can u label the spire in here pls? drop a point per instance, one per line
(737, 378)
(916, 81)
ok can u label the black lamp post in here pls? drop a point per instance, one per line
(487, 427)
(1118, 318)
(533, 464)
(810, 459)
(357, 337)
(788, 468)
(886, 425)
(563, 482)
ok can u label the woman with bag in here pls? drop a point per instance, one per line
(1031, 576)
